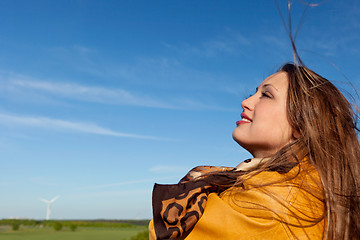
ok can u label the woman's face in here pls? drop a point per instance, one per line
(264, 127)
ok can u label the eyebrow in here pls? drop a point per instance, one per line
(267, 85)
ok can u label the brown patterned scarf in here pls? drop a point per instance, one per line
(178, 207)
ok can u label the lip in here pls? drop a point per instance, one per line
(244, 116)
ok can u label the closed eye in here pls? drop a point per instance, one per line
(266, 94)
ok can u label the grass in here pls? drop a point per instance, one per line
(82, 233)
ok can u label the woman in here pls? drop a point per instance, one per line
(303, 182)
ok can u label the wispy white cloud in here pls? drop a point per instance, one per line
(229, 42)
(20, 85)
(277, 42)
(43, 181)
(83, 49)
(144, 193)
(124, 183)
(89, 93)
(78, 57)
(59, 124)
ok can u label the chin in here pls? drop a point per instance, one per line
(236, 138)
(235, 133)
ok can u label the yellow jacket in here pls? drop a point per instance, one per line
(287, 206)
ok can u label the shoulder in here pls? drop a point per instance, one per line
(221, 221)
(272, 187)
(295, 198)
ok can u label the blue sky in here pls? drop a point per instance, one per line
(101, 99)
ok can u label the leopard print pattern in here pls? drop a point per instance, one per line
(178, 207)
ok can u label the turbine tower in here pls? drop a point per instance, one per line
(49, 202)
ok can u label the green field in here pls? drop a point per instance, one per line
(81, 233)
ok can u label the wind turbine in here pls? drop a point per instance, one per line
(49, 202)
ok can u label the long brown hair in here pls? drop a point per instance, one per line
(326, 123)
(327, 127)
(327, 136)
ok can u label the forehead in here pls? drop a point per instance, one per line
(278, 80)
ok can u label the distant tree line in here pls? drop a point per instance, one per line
(73, 224)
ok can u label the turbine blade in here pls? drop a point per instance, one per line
(53, 200)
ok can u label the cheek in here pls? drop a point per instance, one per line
(276, 124)
(280, 135)
(282, 127)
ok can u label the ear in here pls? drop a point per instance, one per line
(295, 134)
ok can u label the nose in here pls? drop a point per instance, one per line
(248, 103)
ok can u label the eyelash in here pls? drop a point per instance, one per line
(264, 94)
